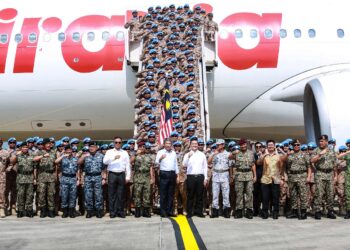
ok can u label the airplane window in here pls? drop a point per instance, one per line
(283, 33)
(340, 33)
(3, 38)
(18, 38)
(268, 33)
(238, 33)
(120, 36)
(61, 37)
(297, 33)
(91, 36)
(32, 38)
(76, 37)
(312, 33)
(253, 33)
(105, 35)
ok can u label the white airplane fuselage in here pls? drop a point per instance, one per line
(84, 87)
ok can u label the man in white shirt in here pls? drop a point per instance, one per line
(118, 167)
(167, 161)
(197, 168)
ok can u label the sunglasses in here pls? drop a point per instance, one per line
(258, 146)
(296, 144)
(117, 142)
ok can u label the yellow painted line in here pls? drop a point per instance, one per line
(186, 232)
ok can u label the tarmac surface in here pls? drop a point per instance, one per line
(158, 233)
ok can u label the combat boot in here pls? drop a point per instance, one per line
(318, 215)
(65, 212)
(20, 214)
(275, 215)
(303, 214)
(146, 213)
(88, 214)
(239, 214)
(72, 213)
(99, 214)
(214, 213)
(226, 212)
(29, 213)
(51, 214)
(43, 212)
(249, 214)
(331, 214)
(264, 214)
(347, 216)
(292, 214)
(137, 212)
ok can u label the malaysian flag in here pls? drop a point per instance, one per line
(166, 120)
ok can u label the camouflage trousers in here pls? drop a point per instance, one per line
(221, 181)
(2, 194)
(46, 195)
(339, 191)
(244, 188)
(25, 195)
(324, 188)
(298, 194)
(180, 193)
(347, 191)
(142, 193)
(93, 189)
(311, 194)
(68, 192)
(11, 192)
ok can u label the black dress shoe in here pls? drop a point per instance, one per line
(88, 214)
(51, 214)
(146, 213)
(72, 213)
(20, 214)
(275, 215)
(331, 215)
(65, 212)
(137, 212)
(200, 215)
(43, 213)
(29, 213)
(99, 214)
(121, 215)
(172, 215)
(112, 215)
(318, 215)
(347, 216)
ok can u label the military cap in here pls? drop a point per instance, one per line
(156, 60)
(111, 145)
(311, 145)
(169, 43)
(182, 25)
(151, 117)
(154, 125)
(148, 106)
(342, 148)
(172, 52)
(160, 17)
(214, 145)
(64, 139)
(46, 140)
(153, 99)
(67, 147)
(148, 78)
(285, 143)
(21, 144)
(174, 99)
(36, 138)
(86, 140)
(191, 127)
(30, 140)
(134, 11)
(190, 59)
(203, 11)
(186, 5)
(200, 141)
(149, 66)
(160, 33)
(150, 8)
(148, 145)
(191, 74)
(332, 141)
(176, 116)
(323, 137)
(195, 28)
(146, 91)
(231, 144)
(85, 149)
(75, 149)
(52, 139)
(193, 120)
(169, 63)
(152, 51)
(210, 14)
(172, 6)
(279, 145)
(131, 141)
(191, 45)
(152, 83)
(126, 147)
(190, 12)
(191, 111)
(197, 19)
(12, 139)
(166, 19)
(187, 52)
(188, 84)
(192, 106)
(236, 147)
(220, 141)
(150, 73)
(176, 90)
(190, 65)
(189, 98)
(146, 123)
(242, 141)
(303, 147)
(154, 26)
(177, 143)
(92, 143)
(179, 18)
(180, 7)
(39, 141)
(151, 134)
(159, 7)
(151, 46)
(175, 107)
(193, 138)
(193, 38)
(210, 142)
(178, 125)
(182, 45)
(198, 7)
(347, 141)
(104, 147)
(174, 60)
(174, 133)
(74, 141)
(190, 20)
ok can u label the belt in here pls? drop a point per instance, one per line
(243, 170)
(220, 171)
(327, 171)
(48, 171)
(167, 171)
(69, 175)
(92, 174)
(117, 173)
(25, 172)
(297, 172)
(195, 175)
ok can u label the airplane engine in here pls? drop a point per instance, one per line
(326, 107)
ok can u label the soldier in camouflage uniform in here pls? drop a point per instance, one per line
(46, 179)
(244, 179)
(4, 160)
(68, 182)
(180, 189)
(299, 172)
(143, 179)
(26, 178)
(325, 161)
(95, 177)
(339, 182)
(10, 193)
(134, 25)
(346, 156)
